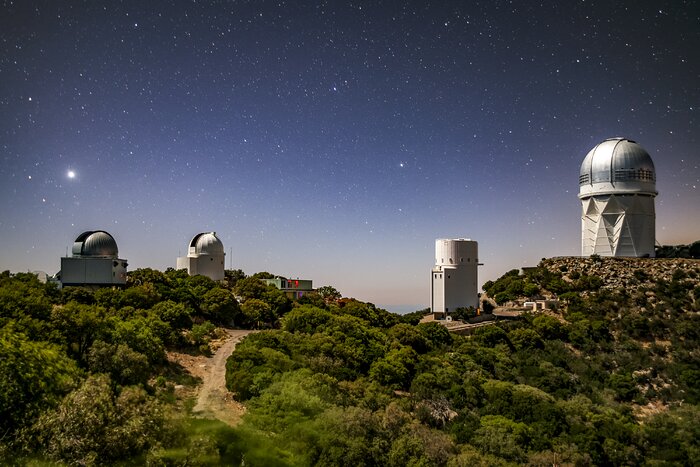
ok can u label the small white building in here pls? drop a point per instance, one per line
(95, 262)
(454, 277)
(205, 256)
(617, 186)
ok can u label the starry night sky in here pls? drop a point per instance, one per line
(336, 141)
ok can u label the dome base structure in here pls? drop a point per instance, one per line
(618, 225)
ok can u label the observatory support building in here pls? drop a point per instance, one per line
(617, 186)
(454, 277)
(95, 262)
(205, 256)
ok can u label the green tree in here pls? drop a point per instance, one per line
(414, 317)
(124, 365)
(33, 377)
(23, 296)
(436, 334)
(420, 446)
(395, 369)
(525, 339)
(77, 294)
(80, 325)
(139, 335)
(673, 437)
(250, 287)
(219, 305)
(307, 319)
(108, 298)
(490, 336)
(264, 275)
(140, 296)
(548, 327)
(624, 385)
(233, 276)
(503, 437)
(329, 293)
(177, 315)
(95, 425)
(346, 436)
(410, 336)
(256, 312)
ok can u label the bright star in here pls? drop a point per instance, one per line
(70, 174)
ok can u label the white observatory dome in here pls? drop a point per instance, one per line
(207, 243)
(617, 166)
(95, 244)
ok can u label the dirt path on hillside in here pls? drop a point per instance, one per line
(214, 400)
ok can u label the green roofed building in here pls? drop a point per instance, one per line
(293, 288)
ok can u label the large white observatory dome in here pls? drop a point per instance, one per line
(96, 243)
(207, 243)
(617, 186)
(617, 166)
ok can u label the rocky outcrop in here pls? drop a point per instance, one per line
(629, 273)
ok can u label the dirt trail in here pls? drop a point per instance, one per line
(214, 400)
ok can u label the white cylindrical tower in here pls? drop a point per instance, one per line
(617, 186)
(454, 276)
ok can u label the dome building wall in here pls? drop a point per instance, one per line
(617, 186)
(205, 256)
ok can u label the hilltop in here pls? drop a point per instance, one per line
(609, 377)
(632, 274)
(651, 282)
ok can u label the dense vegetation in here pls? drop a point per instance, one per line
(535, 281)
(679, 251)
(613, 378)
(83, 374)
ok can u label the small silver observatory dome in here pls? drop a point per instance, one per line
(95, 243)
(207, 243)
(617, 166)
